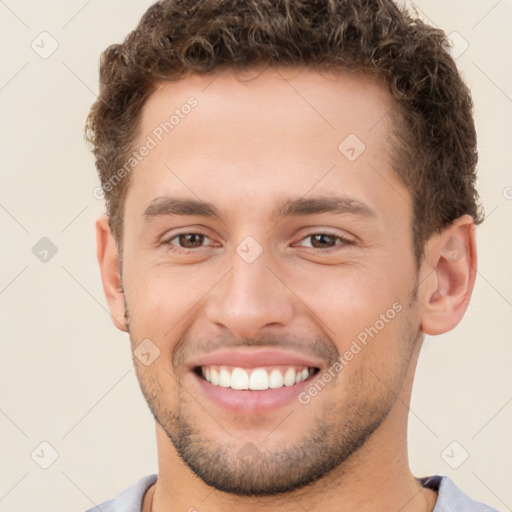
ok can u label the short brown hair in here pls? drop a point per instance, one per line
(435, 142)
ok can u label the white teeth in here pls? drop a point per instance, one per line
(257, 379)
(239, 379)
(224, 378)
(289, 377)
(275, 379)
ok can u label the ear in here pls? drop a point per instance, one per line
(449, 268)
(106, 252)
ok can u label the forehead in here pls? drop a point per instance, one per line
(272, 132)
(270, 102)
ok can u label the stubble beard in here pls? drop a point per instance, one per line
(339, 432)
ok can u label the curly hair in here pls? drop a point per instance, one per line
(434, 137)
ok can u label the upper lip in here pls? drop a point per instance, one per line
(254, 358)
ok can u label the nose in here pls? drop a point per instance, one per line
(250, 298)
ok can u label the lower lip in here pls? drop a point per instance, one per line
(251, 402)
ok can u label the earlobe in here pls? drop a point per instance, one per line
(450, 269)
(106, 252)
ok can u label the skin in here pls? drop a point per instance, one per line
(248, 146)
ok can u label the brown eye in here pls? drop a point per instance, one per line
(323, 240)
(190, 240)
(184, 242)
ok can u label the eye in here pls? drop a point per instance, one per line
(187, 241)
(324, 241)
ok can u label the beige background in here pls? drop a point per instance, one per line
(66, 373)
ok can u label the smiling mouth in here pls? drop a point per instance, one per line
(255, 379)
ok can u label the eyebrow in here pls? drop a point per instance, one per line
(164, 206)
(323, 204)
(161, 206)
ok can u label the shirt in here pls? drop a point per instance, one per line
(450, 497)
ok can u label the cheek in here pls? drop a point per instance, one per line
(162, 297)
(362, 310)
(374, 360)
(346, 299)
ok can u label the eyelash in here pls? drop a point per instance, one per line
(183, 250)
(342, 241)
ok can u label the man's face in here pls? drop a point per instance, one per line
(303, 254)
